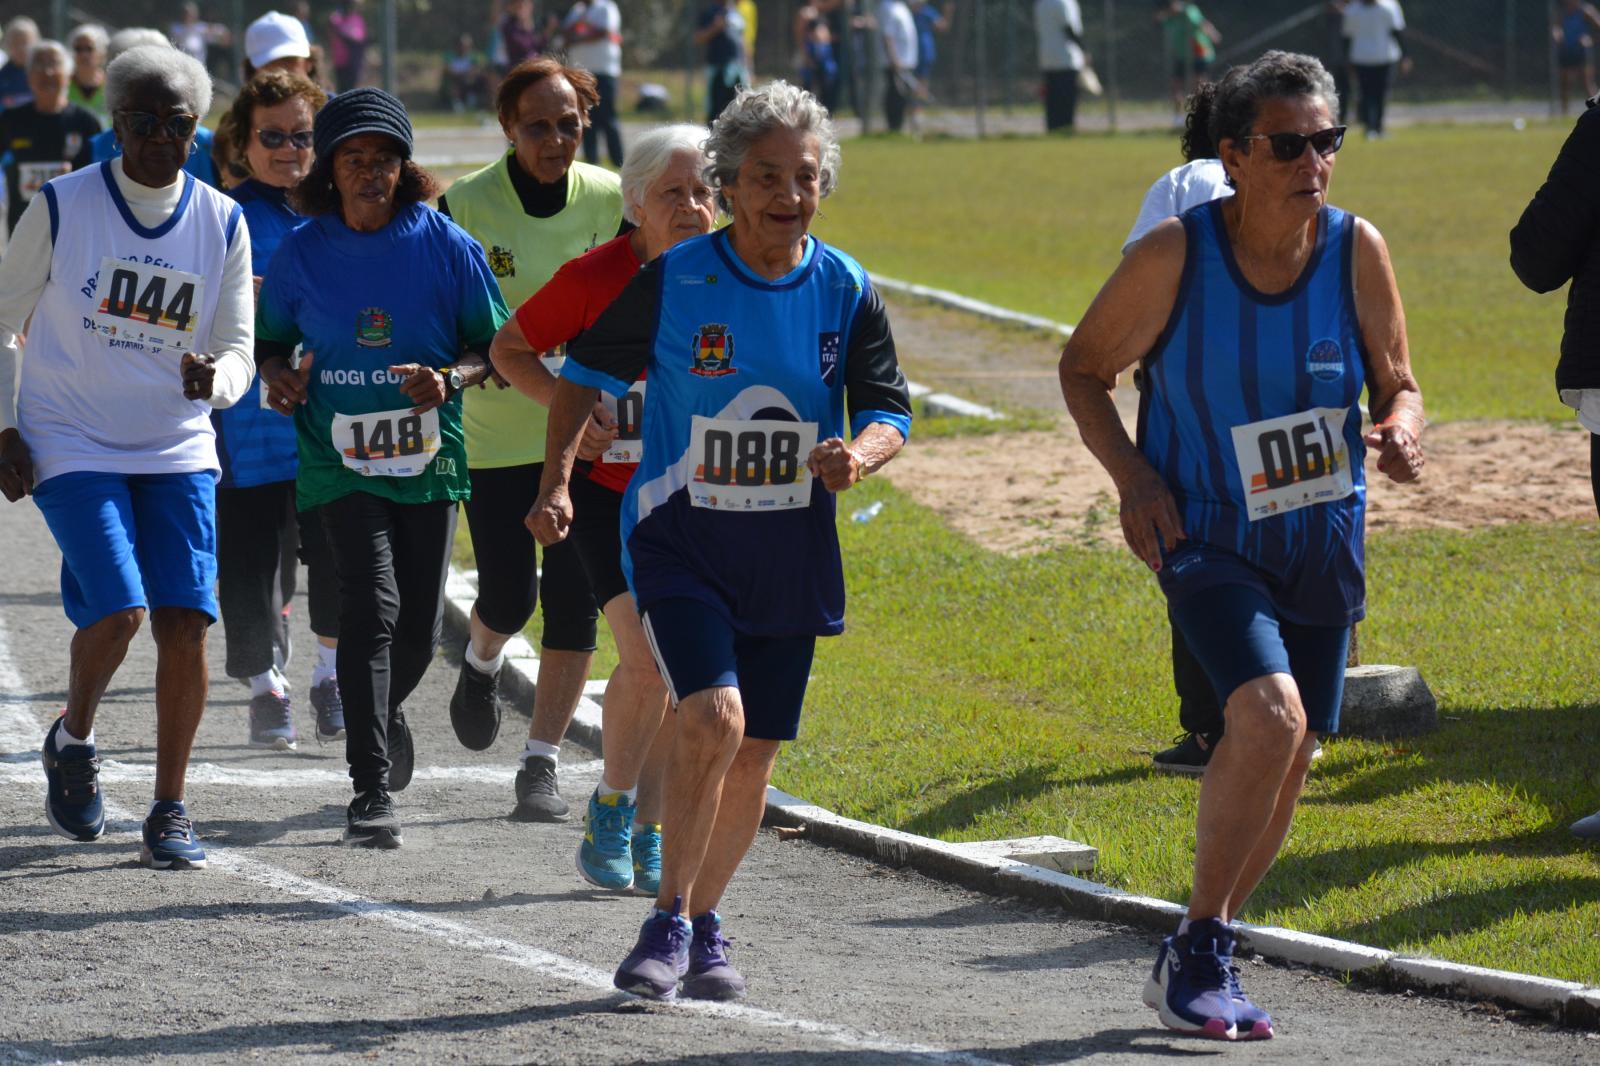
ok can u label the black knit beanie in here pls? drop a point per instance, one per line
(359, 111)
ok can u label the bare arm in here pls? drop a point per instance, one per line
(1117, 331)
(840, 465)
(551, 517)
(516, 360)
(1392, 392)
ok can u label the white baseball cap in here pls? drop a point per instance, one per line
(275, 36)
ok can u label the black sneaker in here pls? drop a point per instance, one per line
(1190, 755)
(537, 798)
(474, 710)
(402, 756)
(370, 821)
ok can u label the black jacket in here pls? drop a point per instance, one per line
(1558, 239)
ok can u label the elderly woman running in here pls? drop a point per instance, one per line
(1258, 320)
(137, 278)
(756, 339)
(664, 193)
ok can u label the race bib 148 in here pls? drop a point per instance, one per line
(387, 443)
(1293, 462)
(749, 465)
(628, 410)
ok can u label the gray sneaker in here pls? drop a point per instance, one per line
(537, 797)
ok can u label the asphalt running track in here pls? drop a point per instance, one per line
(476, 942)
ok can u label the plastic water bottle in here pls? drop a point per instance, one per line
(867, 514)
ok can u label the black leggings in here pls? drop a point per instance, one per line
(1374, 82)
(509, 582)
(603, 122)
(392, 560)
(258, 529)
(1198, 708)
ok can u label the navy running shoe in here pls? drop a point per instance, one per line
(370, 821)
(272, 722)
(169, 840)
(1189, 984)
(710, 974)
(660, 957)
(328, 708)
(1253, 1022)
(72, 803)
(402, 753)
(604, 858)
(646, 846)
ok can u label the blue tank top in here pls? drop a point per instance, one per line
(1230, 361)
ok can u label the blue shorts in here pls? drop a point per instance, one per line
(696, 648)
(133, 540)
(1237, 636)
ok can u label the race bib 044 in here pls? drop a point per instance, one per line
(154, 305)
(628, 410)
(387, 443)
(759, 464)
(1293, 462)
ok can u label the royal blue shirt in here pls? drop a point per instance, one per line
(721, 509)
(1231, 358)
(106, 146)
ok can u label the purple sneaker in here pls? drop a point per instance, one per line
(660, 957)
(1189, 984)
(1254, 1023)
(710, 975)
(272, 722)
(327, 707)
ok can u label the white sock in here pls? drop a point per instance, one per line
(269, 681)
(541, 749)
(606, 792)
(1183, 926)
(64, 738)
(489, 666)
(327, 664)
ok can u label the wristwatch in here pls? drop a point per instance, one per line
(453, 381)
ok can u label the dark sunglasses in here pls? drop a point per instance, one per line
(144, 124)
(84, 48)
(1287, 147)
(275, 139)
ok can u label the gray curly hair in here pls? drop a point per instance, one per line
(1275, 76)
(165, 65)
(757, 112)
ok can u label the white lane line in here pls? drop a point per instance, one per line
(113, 771)
(21, 731)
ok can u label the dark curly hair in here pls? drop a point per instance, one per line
(531, 72)
(1197, 142)
(316, 195)
(1276, 75)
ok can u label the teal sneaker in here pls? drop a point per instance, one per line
(604, 857)
(647, 859)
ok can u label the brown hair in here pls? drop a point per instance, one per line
(316, 195)
(267, 89)
(531, 72)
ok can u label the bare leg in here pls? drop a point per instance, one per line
(1255, 868)
(181, 682)
(710, 728)
(744, 800)
(652, 778)
(486, 643)
(636, 699)
(97, 652)
(1266, 725)
(555, 698)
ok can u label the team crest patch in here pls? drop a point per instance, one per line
(1325, 360)
(374, 328)
(713, 352)
(828, 356)
(502, 263)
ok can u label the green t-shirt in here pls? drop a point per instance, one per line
(416, 291)
(504, 427)
(1185, 36)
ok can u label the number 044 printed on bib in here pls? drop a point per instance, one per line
(142, 303)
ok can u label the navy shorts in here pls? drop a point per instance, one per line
(133, 540)
(696, 648)
(1237, 635)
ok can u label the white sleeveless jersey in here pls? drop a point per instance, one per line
(101, 385)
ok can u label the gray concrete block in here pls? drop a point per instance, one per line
(1052, 853)
(1386, 701)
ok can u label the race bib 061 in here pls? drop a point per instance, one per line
(154, 305)
(759, 464)
(1293, 462)
(628, 410)
(387, 443)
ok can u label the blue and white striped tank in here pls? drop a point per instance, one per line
(1230, 359)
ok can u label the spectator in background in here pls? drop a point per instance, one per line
(462, 83)
(721, 31)
(752, 19)
(86, 89)
(518, 35)
(301, 10)
(1059, 26)
(105, 144)
(931, 22)
(194, 36)
(1573, 21)
(819, 66)
(1374, 29)
(593, 32)
(46, 137)
(22, 33)
(348, 42)
(897, 58)
(1190, 42)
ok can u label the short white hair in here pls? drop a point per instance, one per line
(165, 65)
(134, 37)
(95, 32)
(49, 48)
(753, 114)
(21, 24)
(651, 155)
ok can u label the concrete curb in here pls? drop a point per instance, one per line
(1567, 1002)
(957, 302)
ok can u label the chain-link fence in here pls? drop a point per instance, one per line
(987, 52)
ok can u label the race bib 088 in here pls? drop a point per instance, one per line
(628, 410)
(747, 465)
(1293, 462)
(154, 305)
(387, 443)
